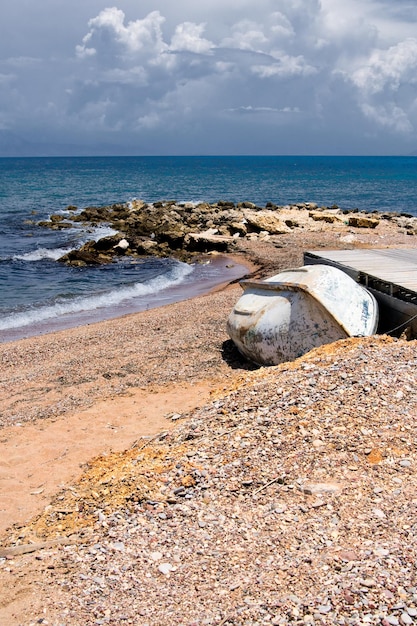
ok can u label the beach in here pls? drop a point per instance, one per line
(161, 478)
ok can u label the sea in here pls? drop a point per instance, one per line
(39, 295)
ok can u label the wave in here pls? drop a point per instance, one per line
(112, 298)
(92, 234)
(42, 253)
(98, 232)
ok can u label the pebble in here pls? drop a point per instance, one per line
(165, 568)
(379, 513)
(318, 504)
(348, 555)
(317, 443)
(381, 552)
(324, 608)
(315, 488)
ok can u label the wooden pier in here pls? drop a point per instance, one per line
(390, 275)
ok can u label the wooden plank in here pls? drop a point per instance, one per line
(395, 266)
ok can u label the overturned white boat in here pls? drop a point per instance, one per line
(285, 316)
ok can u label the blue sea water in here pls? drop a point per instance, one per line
(38, 294)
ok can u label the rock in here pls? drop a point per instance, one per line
(238, 228)
(144, 247)
(56, 218)
(96, 252)
(122, 245)
(266, 220)
(206, 241)
(105, 244)
(80, 258)
(360, 221)
(137, 205)
(330, 218)
(174, 238)
(246, 205)
(226, 203)
(60, 225)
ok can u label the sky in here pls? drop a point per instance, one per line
(216, 77)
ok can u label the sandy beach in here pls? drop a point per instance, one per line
(149, 474)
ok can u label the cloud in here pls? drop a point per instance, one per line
(337, 72)
(187, 37)
(385, 83)
(390, 116)
(388, 69)
(152, 73)
(246, 35)
(280, 25)
(108, 34)
(22, 62)
(284, 67)
(255, 110)
(132, 76)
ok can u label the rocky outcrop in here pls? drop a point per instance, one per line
(184, 230)
(268, 221)
(208, 241)
(97, 252)
(362, 222)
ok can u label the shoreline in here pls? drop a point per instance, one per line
(234, 266)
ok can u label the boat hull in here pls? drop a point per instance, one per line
(287, 315)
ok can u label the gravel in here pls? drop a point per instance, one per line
(244, 520)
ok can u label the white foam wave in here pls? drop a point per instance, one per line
(98, 232)
(42, 253)
(93, 234)
(91, 303)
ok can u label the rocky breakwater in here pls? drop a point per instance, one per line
(186, 230)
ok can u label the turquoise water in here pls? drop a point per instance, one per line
(35, 289)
